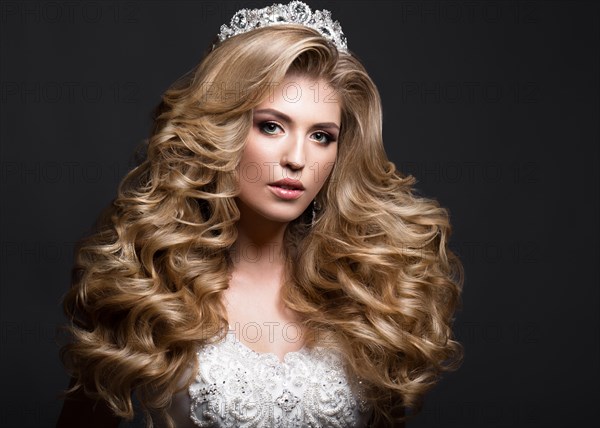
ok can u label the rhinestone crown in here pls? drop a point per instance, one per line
(295, 12)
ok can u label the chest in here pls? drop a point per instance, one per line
(238, 387)
(260, 320)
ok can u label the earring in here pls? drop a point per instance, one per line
(315, 207)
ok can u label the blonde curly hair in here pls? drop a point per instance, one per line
(374, 273)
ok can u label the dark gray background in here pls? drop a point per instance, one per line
(492, 105)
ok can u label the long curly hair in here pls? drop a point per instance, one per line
(373, 273)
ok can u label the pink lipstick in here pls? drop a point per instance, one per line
(287, 188)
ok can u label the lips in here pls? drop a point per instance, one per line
(288, 183)
(287, 189)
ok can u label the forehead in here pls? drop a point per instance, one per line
(304, 98)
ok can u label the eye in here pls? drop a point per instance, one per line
(269, 127)
(323, 137)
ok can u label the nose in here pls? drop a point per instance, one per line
(293, 155)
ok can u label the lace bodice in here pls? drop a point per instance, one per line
(238, 387)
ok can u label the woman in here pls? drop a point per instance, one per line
(265, 265)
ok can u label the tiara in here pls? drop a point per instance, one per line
(295, 12)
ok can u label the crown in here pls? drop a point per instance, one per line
(295, 12)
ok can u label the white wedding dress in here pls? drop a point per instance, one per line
(239, 388)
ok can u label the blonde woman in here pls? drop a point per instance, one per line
(265, 265)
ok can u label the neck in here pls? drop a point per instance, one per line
(259, 245)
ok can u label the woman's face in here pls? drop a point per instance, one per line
(293, 138)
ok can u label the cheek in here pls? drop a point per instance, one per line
(325, 167)
(248, 154)
(258, 152)
(250, 162)
(248, 168)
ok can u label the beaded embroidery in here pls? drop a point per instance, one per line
(238, 387)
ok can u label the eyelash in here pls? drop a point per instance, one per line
(330, 139)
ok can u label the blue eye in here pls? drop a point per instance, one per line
(269, 127)
(328, 138)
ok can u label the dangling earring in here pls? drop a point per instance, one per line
(315, 207)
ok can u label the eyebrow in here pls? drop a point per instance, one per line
(284, 117)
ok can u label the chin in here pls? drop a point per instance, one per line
(279, 212)
(282, 215)
(282, 218)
